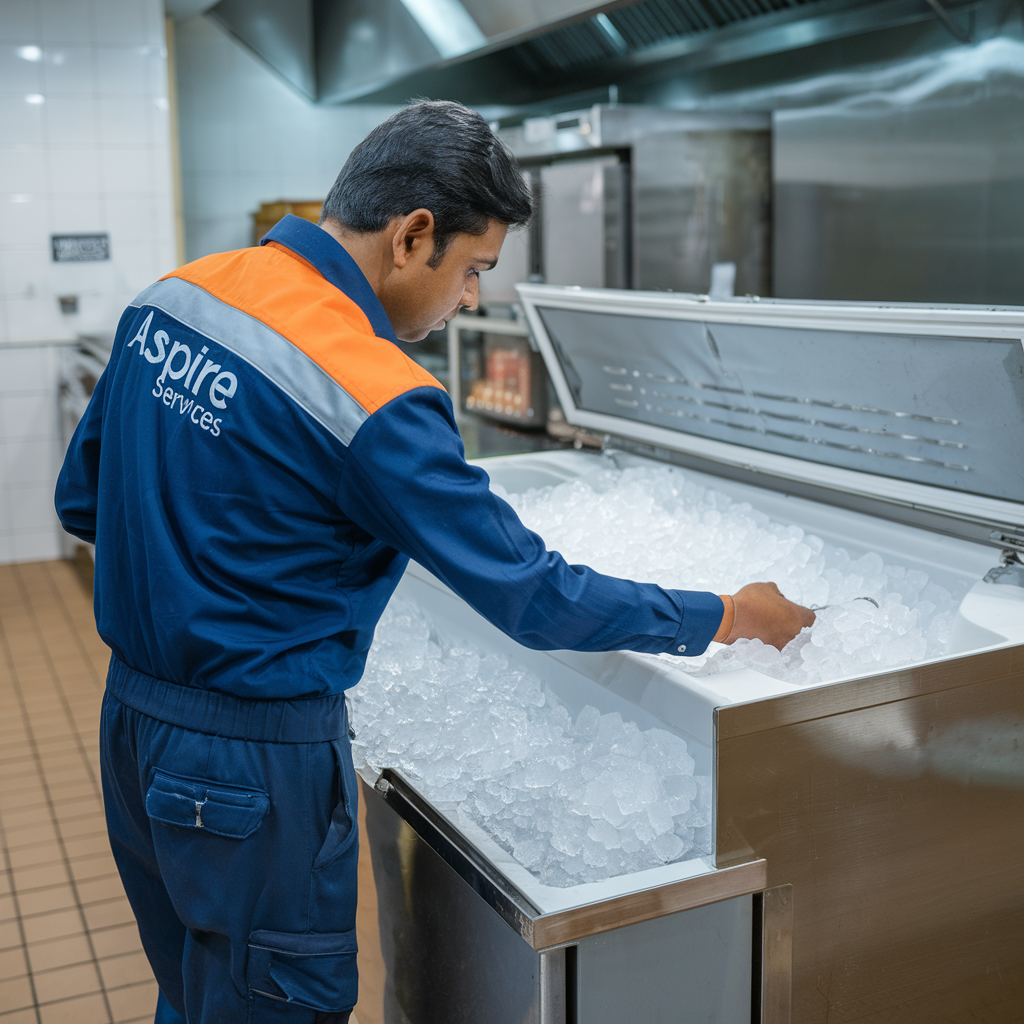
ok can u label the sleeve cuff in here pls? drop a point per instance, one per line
(702, 616)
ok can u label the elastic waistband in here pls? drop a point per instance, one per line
(315, 720)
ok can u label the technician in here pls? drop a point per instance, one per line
(257, 465)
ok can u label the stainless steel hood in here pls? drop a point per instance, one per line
(503, 53)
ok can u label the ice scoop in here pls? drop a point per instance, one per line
(822, 607)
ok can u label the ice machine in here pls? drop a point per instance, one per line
(867, 830)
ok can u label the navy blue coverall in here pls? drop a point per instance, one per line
(257, 465)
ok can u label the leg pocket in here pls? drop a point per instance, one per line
(343, 832)
(306, 978)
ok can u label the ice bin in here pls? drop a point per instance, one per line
(867, 831)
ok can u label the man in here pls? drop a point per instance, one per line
(256, 467)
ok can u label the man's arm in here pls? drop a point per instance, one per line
(407, 483)
(78, 482)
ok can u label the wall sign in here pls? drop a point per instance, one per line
(80, 248)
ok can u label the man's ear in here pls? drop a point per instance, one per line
(413, 234)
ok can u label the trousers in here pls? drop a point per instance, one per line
(234, 827)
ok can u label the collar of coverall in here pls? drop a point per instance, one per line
(328, 255)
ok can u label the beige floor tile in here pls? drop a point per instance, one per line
(41, 877)
(24, 799)
(15, 993)
(65, 982)
(15, 817)
(8, 910)
(13, 963)
(78, 806)
(98, 890)
(88, 845)
(10, 935)
(115, 941)
(31, 835)
(128, 969)
(104, 915)
(92, 868)
(26, 1016)
(35, 856)
(42, 901)
(80, 1010)
(84, 825)
(43, 956)
(5, 881)
(59, 925)
(133, 1002)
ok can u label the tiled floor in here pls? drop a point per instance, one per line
(69, 948)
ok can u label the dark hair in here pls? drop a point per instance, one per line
(435, 155)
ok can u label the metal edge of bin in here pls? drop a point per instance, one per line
(548, 931)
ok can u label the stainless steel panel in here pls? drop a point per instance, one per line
(498, 286)
(702, 196)
(450, 959)
(912, 192)
(776, 906)
(584, 234)
(280, 32)
(692, 966)
(894, 806)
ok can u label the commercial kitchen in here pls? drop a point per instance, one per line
(764, 325)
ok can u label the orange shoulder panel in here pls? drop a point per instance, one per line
(292, 297)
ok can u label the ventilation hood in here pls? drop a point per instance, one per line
(513, 52)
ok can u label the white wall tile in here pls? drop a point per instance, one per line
(37, 545)
(22, 123)
(22, 171)
(30, 461)
(71, 121)
(37, 319)
(125, 120)
(65, 21)
(71, 215)
(24, 221)
(24, 270)
(19, 22)
(125, 70)
(122, 21)
(126, 170)
(69, 70)
(131, 218)
(74, 171)
(27, 368)
(17, 75)
(27, 416)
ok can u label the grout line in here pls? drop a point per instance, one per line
(17, 572)
(17, 905)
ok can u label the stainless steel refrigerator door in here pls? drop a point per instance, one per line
(584, 233)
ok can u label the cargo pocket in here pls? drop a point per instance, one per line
(230, 811)
(306, 978)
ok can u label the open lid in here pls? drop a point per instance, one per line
(915, 406)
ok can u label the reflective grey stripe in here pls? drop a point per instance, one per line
(283, 363)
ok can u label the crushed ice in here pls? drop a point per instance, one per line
(586, 799)
(572, 801)
(655, 525)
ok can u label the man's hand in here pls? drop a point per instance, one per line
(762, 613)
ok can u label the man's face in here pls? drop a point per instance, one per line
(419, 298)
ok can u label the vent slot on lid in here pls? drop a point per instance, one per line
(936, 410)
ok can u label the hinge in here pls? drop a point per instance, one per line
(1013, 545)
